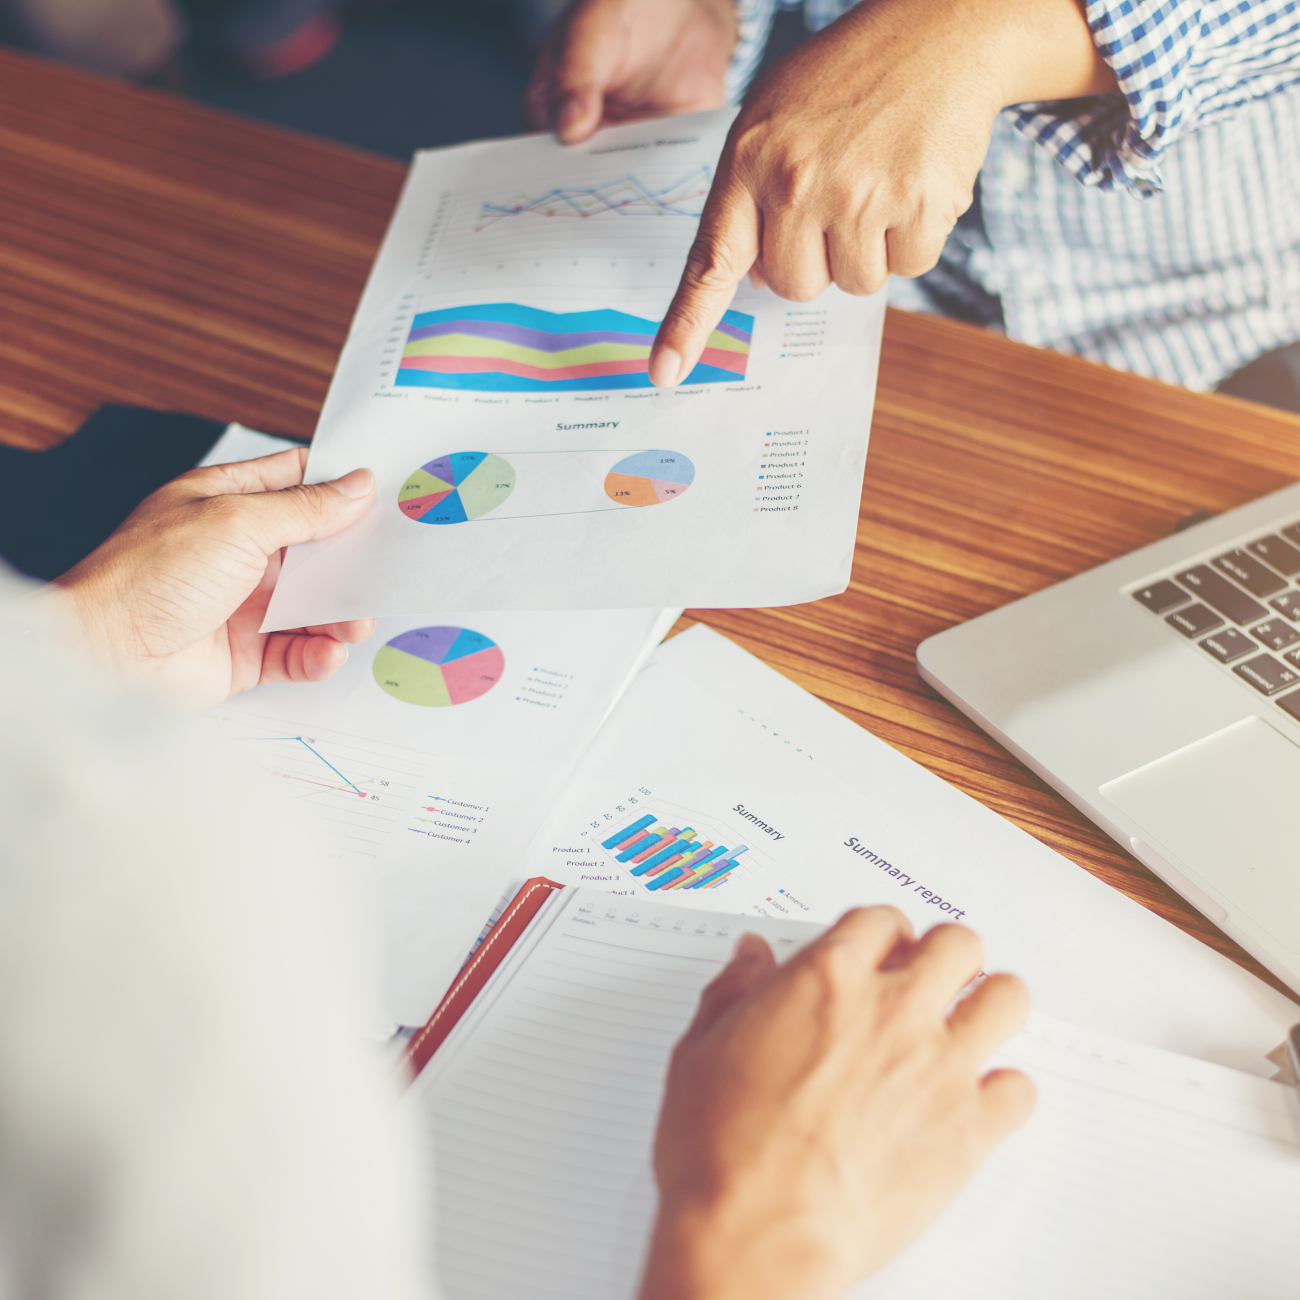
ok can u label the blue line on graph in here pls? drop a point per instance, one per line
(322, 757)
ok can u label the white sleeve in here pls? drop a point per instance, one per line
(188, 1106)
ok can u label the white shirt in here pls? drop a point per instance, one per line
(188, 1107)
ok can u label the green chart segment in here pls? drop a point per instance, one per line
(457, 487)
(439, 666)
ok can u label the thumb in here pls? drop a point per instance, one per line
(308, 512)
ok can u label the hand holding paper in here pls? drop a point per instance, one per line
(173, 599)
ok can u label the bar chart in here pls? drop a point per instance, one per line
(663, 856)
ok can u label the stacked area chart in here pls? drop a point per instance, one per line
(649, 478)
(456, 488)
(665, 857)
(439, 666)
(505, 347)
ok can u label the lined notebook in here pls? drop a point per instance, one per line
(1141, 1174)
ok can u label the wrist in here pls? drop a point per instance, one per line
(86, 613)
(718, 1251)
(1044, 50)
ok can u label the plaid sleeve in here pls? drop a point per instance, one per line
(1180, 65)
(755, 21)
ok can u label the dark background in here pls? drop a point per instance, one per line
(404, 75)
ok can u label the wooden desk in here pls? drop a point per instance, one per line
(155, 252)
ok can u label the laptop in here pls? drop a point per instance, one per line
(1160, 694)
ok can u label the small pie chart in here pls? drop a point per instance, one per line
(649, 478)
(456, 488)
(439, 666)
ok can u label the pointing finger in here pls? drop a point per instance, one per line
(725, 248)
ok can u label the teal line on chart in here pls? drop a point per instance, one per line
(322, 757)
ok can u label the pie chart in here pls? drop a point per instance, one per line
(457, 487)
(438, 666)
(649, 478)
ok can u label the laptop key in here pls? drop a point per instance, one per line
(1293, 532)
(1194, 620)
(1287, 603)
(1162, 596)
(1291, 703)
(1216, 590)
(1278, 554)
(1229, 644)
(1265, 674)
(1257, 578)
(1276, 634)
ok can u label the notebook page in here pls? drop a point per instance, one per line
(1141, 1174)
(543, 1101)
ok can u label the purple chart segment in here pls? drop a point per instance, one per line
(431, 643)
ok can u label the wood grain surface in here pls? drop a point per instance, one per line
(156, 252)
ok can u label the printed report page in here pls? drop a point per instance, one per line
(495, 379)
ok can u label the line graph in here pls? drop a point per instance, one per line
(325, 786)
(627, 197)
(358, 791)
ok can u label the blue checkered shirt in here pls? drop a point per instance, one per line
(1157, 230)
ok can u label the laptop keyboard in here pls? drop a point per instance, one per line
(1243, 609)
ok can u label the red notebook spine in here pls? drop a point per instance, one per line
(488, 956)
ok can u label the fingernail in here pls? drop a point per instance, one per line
(749, 945)
(665, 368)
(360, 483)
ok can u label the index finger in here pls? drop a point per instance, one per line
(726, 246)
(271, 473)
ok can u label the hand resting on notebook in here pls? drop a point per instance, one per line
(174, 598)
(820, 1114)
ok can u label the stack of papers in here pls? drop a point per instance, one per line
(495, 380)
(428, 763)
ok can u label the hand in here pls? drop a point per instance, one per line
(853, 157)
(819, 1115)
(174, 598)
(609, 61)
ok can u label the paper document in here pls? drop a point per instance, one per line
(431, 758)
(495, 379)
(717, 783)
(1140, 1174)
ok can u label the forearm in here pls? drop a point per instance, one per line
(1050, 52)
(1023, 50)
